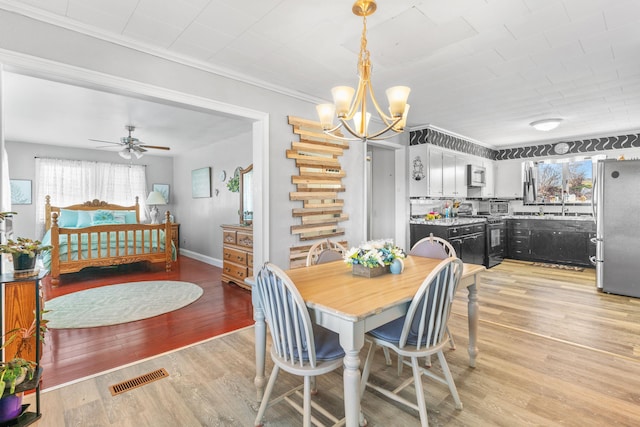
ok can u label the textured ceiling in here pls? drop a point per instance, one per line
(483, 69)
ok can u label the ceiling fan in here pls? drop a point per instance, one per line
(131, 145)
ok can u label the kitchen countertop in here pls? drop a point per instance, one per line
(552, 217)
(449, 221)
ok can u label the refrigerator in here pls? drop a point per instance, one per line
(617, 214)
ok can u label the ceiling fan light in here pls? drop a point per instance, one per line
(342, 96)
(545, 125)
(125, 154)
(397, 97)
(137, 154)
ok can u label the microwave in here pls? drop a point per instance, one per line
(476, 176)
(493, 207)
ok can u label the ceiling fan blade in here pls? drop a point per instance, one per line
(157, 147)
(138, 148)
(108, 142)
(106, 146)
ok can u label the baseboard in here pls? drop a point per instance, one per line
(204, 258)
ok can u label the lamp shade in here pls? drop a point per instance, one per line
(156, 198)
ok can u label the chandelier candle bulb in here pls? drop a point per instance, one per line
(397, 97)
(342, 96)
(399, 127)
(357, 121)
(326, 113)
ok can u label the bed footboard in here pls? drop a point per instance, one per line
(107, 245)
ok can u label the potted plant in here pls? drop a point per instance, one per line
(24, 251)
(16, 370)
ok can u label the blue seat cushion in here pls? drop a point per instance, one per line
(327, 344)
(391, 331)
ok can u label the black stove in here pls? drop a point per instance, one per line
(496, 239)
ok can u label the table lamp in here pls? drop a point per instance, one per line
(155, 198)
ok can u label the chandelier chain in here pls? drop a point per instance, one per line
(364, 60)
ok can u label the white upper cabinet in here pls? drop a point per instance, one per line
(418, 171)
(489, 177)
(509, 178)
(447, 174)
(435, 172)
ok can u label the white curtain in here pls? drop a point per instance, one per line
(70, 182)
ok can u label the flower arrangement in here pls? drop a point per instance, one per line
(375, 253)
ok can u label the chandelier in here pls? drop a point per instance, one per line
(346, 107)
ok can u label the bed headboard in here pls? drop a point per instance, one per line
(86, 206)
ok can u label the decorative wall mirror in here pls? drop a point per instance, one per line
(246, 193)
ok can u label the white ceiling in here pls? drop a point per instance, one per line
(483, 69)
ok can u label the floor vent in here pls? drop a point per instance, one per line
(136, 382)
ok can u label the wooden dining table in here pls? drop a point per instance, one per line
(352, 305)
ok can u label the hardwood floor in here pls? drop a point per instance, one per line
(553, 351)
(70, 354)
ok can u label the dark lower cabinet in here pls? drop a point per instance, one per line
(550, 240)
(467, 240)
(470, 248)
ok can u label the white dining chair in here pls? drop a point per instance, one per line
(325, 251)
(438, 248)
(298, 347)
(420, 333)
(433, 247)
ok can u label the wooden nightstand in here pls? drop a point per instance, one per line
(175, 236)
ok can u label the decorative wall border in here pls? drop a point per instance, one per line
(575, 147)
(440, 139)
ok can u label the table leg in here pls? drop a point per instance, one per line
(473, 315)
(352, 343)
(261, 344)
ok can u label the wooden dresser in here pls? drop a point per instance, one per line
(237, 253)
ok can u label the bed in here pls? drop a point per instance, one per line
(98, 234)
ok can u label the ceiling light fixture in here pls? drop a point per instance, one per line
(346, 107)
(125, 153)
(545, 125)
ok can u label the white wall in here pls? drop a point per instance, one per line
(200, 218)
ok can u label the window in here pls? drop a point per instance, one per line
(70, 182)
(570, 180)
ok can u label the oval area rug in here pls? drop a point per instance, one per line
(122, 303)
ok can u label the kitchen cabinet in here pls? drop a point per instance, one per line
(418, 171)
(508, 179)
(489, 176)
(447, 174)
(551, 240)
(435, 173)
(468, 240)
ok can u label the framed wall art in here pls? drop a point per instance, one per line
(20, 191)
(201, 182)
(162, 189)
